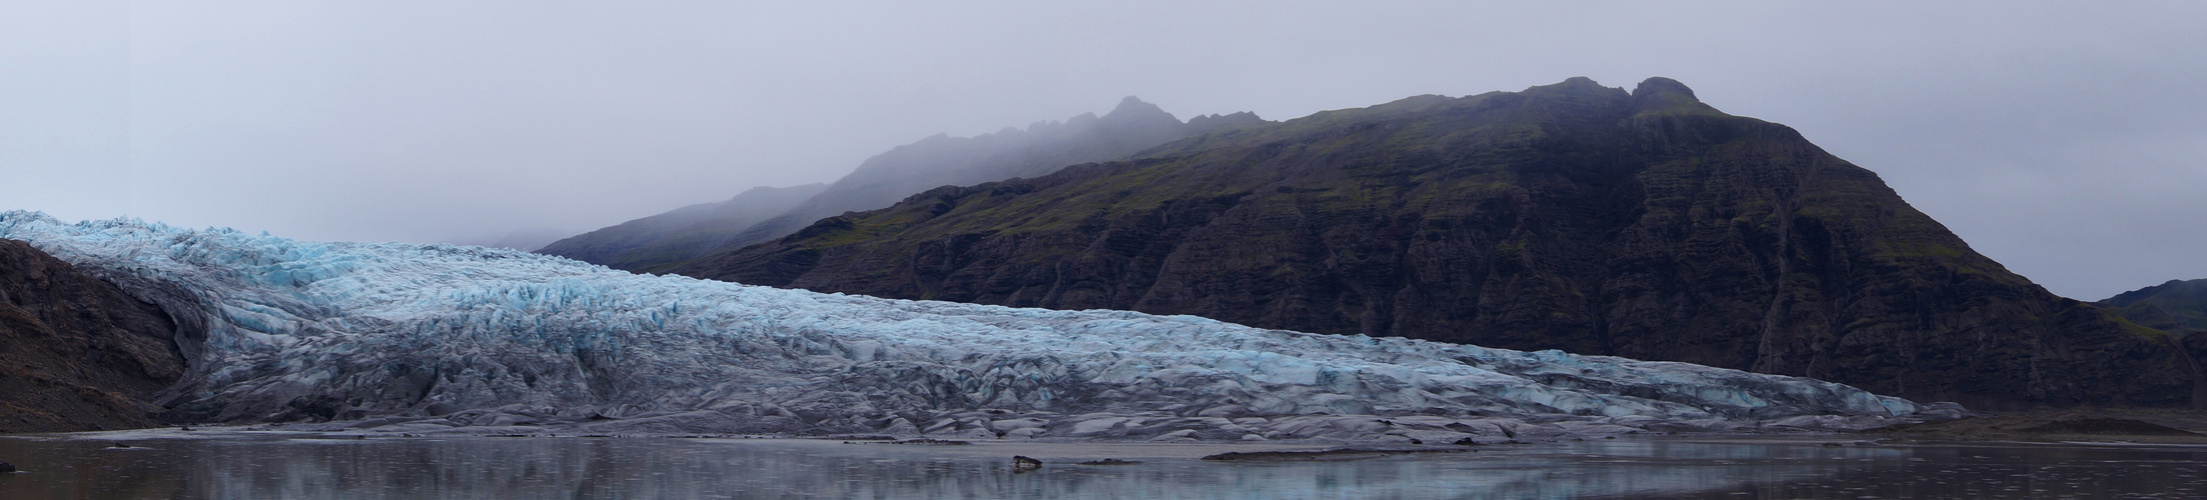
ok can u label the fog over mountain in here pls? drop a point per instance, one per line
(2060, 140)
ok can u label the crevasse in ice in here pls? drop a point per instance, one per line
(280, 329)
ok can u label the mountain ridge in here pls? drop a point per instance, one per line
(680, 234)
(2173, 305)
(1131, 126)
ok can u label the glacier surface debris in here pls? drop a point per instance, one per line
(431, 337)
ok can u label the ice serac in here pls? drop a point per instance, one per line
(387, 333)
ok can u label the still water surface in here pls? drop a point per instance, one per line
(276, 465)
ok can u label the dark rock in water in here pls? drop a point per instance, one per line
(1110, 461)
(7, 468)
(98, 354)
(118, 445)
(1021, 462)
(1641, 224)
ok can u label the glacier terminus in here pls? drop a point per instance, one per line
(435, 338)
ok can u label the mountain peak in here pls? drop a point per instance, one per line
(1576, 84)
(1213, 121)
(1656, 85)
(1659, 95)
(1132, 105)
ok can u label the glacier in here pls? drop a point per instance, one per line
(436, 338)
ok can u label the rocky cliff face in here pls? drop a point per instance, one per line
(1572, 216)
(76, 353)
(681, 234)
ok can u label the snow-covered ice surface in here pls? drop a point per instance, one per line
(433, 338)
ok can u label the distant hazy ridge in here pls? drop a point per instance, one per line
(664, 241)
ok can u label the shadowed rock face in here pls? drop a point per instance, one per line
(1643, 224)
(76, 353)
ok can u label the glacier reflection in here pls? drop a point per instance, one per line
(305, 467)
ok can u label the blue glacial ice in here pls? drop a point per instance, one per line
(433, 337)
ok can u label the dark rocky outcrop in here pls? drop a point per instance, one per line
(76, 352)
(1643, 224)
(681, 234)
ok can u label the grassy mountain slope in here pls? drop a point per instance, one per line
(1570, 216)
(2177, 305)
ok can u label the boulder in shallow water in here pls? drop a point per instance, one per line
(6, 468)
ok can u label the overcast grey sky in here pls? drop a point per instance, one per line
(2068, 141)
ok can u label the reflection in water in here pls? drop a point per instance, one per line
(273, 466)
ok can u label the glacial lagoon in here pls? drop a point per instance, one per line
(311, 465)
